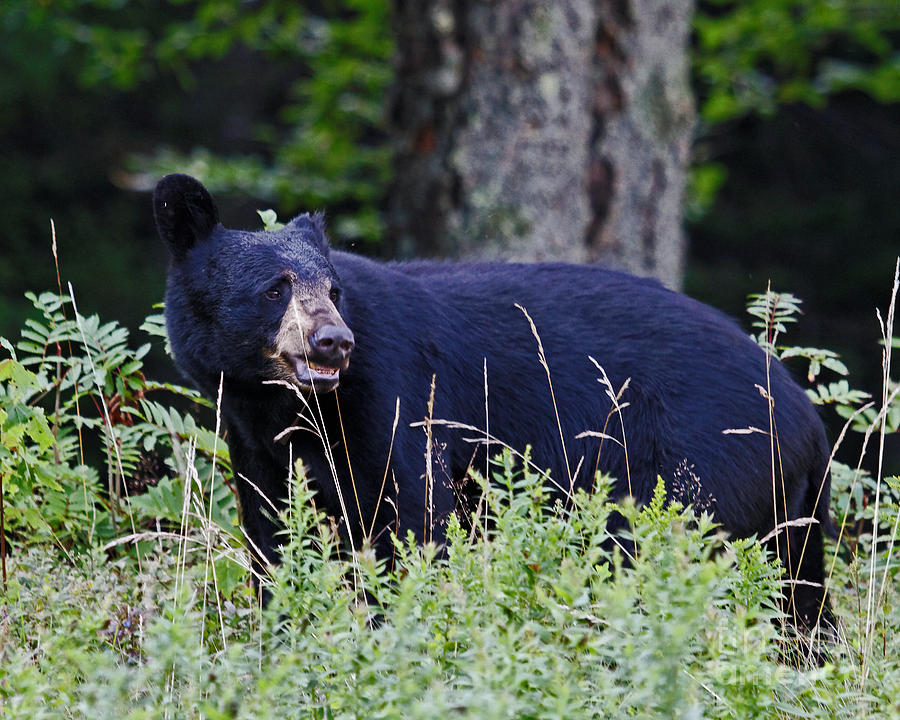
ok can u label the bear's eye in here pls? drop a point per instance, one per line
(273, 293)
(334, 294)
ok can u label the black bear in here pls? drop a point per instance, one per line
(357, 345)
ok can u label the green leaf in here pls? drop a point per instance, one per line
(39, 431)
(17, 374)
(270, 219)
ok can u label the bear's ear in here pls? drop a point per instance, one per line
(185, 213)
(313, 228)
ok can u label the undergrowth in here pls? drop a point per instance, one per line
(125, 587)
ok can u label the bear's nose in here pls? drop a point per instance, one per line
(332, 343)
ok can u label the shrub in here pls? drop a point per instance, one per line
(532, 610)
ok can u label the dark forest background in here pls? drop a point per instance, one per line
(794, 177)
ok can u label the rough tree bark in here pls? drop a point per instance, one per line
(537, 130)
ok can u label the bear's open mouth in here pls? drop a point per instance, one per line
(310, 374)
(323, 369)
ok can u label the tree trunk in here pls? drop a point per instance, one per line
(536, 130)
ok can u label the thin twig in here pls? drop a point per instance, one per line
(618, 407)
(428, 519)
(542, 358)
(886, 333)
(209, 521)
(387, 466)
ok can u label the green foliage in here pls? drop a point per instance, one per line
(322, 144)
(867, 507)
(773, 312)
(41, 495)
(70, 387)
(326, 146)
(155, 326)
(122, 44)
(752, 56)
(534, 610)
(270, 220)
(532, 613)
(704, 182)
(854, 491)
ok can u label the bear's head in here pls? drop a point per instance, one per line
(253, 306)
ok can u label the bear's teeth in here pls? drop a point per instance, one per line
(322, 369)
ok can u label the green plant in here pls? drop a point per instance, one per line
(772, 313)
(72, 387)
(532, 610)
(751, 56)
(866, 504)
(326, 146)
